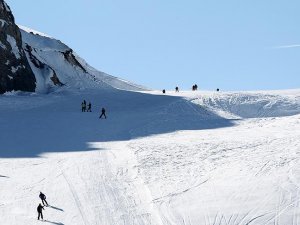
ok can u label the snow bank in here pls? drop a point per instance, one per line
(251, 105)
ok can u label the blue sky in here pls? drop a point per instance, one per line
(231, 45)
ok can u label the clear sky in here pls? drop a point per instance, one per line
(231, 45)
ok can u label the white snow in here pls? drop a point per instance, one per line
(15, 69)
(2, 45)
(188, 158)
(15, 49)
(29, 30)
(6, 7)
(50, 51)
(3, 22)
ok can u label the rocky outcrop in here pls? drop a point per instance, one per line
(15, 71)
(69, 56)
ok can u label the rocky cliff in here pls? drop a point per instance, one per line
(15, 71)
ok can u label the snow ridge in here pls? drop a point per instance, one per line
(71, 70)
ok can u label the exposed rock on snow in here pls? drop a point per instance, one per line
(45, 63)
(12, 55)
(45, 51)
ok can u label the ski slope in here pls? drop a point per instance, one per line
(188, 158)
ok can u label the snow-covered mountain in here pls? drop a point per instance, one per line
(57, 65)
(180, 158)
(15, 72)
(33, 61)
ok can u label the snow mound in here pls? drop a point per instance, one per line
(251, 105)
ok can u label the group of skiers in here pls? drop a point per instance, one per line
(194, 88)
(88, 108)
(40, 207)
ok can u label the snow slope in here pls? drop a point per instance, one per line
(48, 56)
(187, 158)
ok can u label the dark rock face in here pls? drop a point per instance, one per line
(15, 71)
(69, 56)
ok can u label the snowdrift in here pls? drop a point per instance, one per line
(251, 104)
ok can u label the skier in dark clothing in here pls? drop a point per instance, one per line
(102, 113)
(164, 91)
(89, 109)
(83, 106)
(40, 209)
(43, 198)
(176, 89)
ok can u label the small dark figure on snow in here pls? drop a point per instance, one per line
(164, 91)
(83, 106)
(43, 198)
(195, 87)
(218, 89)
(40, 209)
(89, 109)
(176, 89)
(102, 113)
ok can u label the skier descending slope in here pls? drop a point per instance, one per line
(43, 198)
(102, 113)
(40, 209)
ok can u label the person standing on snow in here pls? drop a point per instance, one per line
(40, 209)
(43, 198)
(177, 89)
(83, 106)
(89, 109)
(102, 113)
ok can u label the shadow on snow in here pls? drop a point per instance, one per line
(59, 126)
(56, 208)
(53, 222)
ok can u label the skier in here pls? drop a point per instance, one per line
(43, 198)
(102, 113)
(89, 109)
(83, 106)
(40, 209)
(176, 89)
(218, 89)
(164, 91)
(195, 87)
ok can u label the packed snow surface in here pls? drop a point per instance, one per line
(190, 158)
